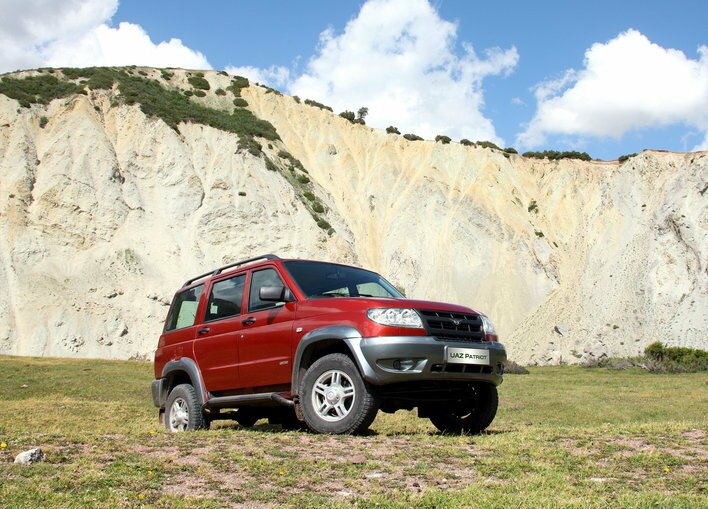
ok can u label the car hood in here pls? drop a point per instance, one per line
(383, 302)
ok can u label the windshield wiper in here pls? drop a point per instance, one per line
(330, 295)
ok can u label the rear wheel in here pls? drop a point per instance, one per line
(471, 415)
(334, 398)
(182, 410)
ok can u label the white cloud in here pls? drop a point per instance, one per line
(35, 33)
(398, 58)
(128, 44)
(703, 145)
(273, 76)
(626, 84)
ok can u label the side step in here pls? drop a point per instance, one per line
(247, 399)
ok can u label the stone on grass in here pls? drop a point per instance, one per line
(29, 457)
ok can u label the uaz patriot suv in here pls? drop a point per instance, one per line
(298, 341)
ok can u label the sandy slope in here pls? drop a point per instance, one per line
(104, 213)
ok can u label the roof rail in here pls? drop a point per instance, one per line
(229, 266)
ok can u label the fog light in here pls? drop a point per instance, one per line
(403, 364)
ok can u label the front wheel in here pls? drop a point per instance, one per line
(182, 411)
(334, 397)
(471, 415)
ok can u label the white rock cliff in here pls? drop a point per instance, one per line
(104, 212)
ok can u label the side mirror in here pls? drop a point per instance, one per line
(275, 294)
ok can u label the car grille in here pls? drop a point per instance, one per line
(448, 326)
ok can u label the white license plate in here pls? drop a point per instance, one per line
(467, 356)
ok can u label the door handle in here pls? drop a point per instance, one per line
(249, 321)
(204, 330)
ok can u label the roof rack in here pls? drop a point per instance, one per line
(229, 266)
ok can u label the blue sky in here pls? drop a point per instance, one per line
(601, 77)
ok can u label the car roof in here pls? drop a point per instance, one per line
(251, 263)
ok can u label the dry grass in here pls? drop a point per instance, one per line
(564, 437)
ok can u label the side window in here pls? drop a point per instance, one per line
(184, 309)
(226, 297)
(266, 277)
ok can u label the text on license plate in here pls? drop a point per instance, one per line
(468, 356)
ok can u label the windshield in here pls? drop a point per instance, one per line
(317, 279)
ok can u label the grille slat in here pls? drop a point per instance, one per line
(448, 326)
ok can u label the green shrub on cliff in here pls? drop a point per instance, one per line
(555, 155)
(626, 157)
(321, 106)
(37, 89)
(348, 115)
(488, 144)
(199, 82)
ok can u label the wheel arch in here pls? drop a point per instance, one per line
(183, 370)
(323, 341)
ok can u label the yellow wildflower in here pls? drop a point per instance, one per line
(141, 496)
(667, 469)
(3, 445)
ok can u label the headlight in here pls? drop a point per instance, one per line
(489, 333)
(395, 317)
(488, 326)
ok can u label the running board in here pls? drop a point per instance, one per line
(247, 399)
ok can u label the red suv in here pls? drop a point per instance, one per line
(298, 341)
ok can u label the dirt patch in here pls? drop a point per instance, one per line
(291, 464)
(185, 485)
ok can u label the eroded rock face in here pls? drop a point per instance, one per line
(104, 213)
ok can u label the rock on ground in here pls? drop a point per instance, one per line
(32, 456)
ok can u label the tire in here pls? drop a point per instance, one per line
(335, 399)
(182, 410)
(472, 415)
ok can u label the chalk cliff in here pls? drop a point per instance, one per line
(105, 210)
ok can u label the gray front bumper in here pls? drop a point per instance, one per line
(377, 360)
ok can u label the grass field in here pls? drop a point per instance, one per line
(563, 437)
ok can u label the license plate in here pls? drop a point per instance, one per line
(467, 356)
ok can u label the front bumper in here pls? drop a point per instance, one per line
(384, 360)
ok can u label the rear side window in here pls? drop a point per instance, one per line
(184, 309)
(267, 277)
(226, 297)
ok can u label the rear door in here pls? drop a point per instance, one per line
(180, 328)
(216, 345)
(265, 347)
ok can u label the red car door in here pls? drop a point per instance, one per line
(265, 347)
(216, 344)
(180, 329)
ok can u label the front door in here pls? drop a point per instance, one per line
(266, 336)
